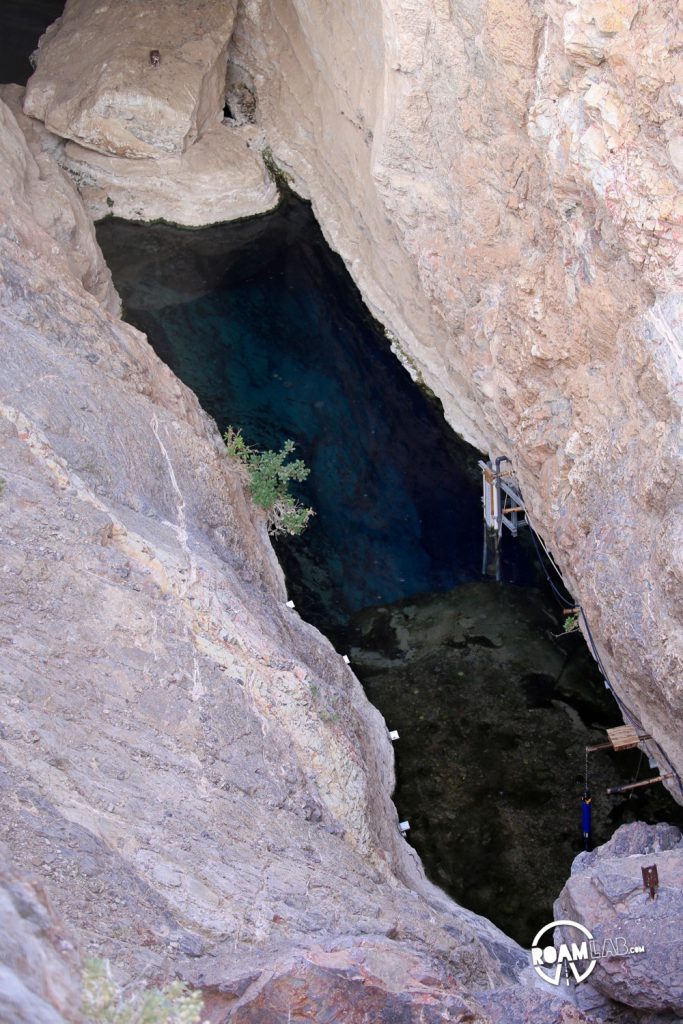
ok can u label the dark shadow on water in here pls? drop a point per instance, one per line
(494, 713)
(262, 321)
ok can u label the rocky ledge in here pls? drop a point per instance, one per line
(142, 141)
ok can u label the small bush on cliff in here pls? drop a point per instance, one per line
(271, 475)
(104, 1001)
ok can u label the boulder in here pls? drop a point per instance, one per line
(96, 82)
(219, 178)
(605, 893)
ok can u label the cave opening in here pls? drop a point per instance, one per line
(493, 704)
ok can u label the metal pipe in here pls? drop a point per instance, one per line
(636, 785)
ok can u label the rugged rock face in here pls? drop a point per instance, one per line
(34, 181)
(605, 893)
(38, 965)
(192, 771)
(96, 84)
(503, 182)
(148, 143)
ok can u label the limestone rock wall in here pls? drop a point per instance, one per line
(191, 771)
(503, 181)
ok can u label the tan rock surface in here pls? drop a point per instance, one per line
(218, 178)
(95, 84)
(148, 143)
(35, 179)
(502, 182)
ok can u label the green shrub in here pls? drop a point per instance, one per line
(270, 475)
(104, 1001)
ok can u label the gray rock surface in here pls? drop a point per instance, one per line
(605, 893)
(39, 981)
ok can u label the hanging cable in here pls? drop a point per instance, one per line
(586, 809)
(640, 762)
(536, 539)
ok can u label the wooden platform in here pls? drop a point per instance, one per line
(623, 738)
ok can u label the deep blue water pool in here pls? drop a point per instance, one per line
(262, 321)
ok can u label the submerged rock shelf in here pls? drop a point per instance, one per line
(494, 716)
(261, 320)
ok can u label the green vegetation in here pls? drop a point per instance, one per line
(280, 177)
(271, 475)
(104, 1001)
(571, 624)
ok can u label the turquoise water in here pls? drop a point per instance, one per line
(262, 321)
